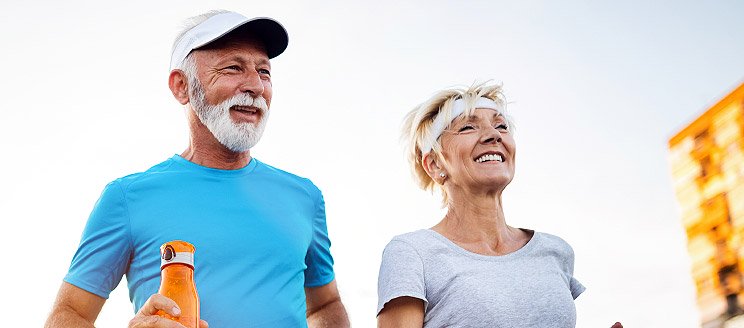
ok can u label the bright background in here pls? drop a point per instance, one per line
(596, 90)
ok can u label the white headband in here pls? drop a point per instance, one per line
(270, 31)
(458, 107)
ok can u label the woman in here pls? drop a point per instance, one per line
(472, 269)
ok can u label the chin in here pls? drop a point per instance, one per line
(500, 181)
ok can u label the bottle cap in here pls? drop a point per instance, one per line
(177, 251)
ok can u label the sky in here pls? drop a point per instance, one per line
(596, 89)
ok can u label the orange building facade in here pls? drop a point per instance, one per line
(707, 161)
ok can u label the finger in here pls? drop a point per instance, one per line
(203, 324)
(159, 302)
(617, 325)
(153, 321)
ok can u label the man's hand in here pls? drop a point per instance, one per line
(147, 318)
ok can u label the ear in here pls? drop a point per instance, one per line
(179, 86)
(431, 164)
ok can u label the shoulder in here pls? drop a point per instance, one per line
(555, 247)
(267, 169)
(156, 171)
(413, 237)
(285, 177)
(406, 253)
(553, 242)
(415, 242)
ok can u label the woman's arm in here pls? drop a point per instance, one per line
(402, 312)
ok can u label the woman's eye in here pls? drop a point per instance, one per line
(466, 128)
(502, 127)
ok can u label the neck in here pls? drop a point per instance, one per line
(477, 223)
(216, 160)
(475, 212)
(205, 150)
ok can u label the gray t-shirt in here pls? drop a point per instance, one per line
(531, 287)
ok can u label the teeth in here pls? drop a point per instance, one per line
(245, 109)
(490, 157)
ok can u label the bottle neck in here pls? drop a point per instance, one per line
(178, 271)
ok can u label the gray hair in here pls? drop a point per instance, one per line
(418, 125)
(188, 66)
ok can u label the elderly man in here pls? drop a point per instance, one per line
(262, 248)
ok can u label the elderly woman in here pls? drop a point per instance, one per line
(472, 269)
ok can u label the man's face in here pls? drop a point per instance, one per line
(231, 92)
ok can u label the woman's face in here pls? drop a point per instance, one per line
(479, 151)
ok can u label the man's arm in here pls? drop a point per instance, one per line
(74, 307)
(324, 308)
(78, 308)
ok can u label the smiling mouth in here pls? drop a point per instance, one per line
(246, 109)
(490, 158)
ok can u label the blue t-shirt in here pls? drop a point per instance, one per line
(260, 236)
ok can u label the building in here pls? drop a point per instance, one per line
(707, 160)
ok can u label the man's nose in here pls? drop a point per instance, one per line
(252, 84)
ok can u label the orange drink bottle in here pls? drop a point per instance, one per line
(177, 281)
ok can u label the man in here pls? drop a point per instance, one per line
(262, 251)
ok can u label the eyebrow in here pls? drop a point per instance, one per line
(471, 118)
(264, 61)
(242, 61)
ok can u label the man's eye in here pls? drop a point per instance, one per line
(264, 71)
(502, 127)
(232, 68)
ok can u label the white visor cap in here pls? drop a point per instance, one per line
(269, 31)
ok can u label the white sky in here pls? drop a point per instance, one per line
(596, 91)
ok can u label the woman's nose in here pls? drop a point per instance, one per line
(490, 135)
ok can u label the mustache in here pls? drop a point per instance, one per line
(246, 100)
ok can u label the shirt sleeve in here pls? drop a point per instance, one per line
(104, 252)
(573, 284)
(318, 260)
(576, 288)
(401, 274)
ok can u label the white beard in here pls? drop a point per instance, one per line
(238, 137)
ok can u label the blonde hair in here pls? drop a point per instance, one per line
(418, 125)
